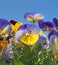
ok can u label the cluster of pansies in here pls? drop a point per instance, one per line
(16, 34)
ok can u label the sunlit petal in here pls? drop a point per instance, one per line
(29, 39)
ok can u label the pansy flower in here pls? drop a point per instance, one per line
(43, 40)
(27, 34)
(54, 44)
(33, 16)
(46, 26)
(15, 25)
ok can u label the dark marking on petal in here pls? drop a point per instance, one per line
(13, 22)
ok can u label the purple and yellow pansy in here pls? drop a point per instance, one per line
(54, 44)
(33, 16)
(27, 34)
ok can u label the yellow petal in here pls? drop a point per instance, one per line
(16, 26)
(0, 31)
(5, 30)
(3, 44)
(30, 19)
(37, 18)
(29, 39)
(56, 55)
(56, 43)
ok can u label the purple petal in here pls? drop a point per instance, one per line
(52, 33)
(46, 25)
(19, 33)
(23, 27)
(29, 28)
(32, 14)
(41, 24)
(33, 29)
(49, 24)
(27, 14)
(3, 23)
(43, 41)
(56, 33)
(53, 40)
(55, 22)
(7, 54)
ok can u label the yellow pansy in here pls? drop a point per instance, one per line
(29, 38)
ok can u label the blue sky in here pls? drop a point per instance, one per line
(15, 9)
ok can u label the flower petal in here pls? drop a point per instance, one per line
(7, 30)
(29, 39)
(24, 27)
(55, 20)
(19, 34)
(33, 29)
(46, 26)
(49, 24)
(3, 23)
(54, 42)
(50, 34)
(41, 24)
(43, 41)
(15, 25)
